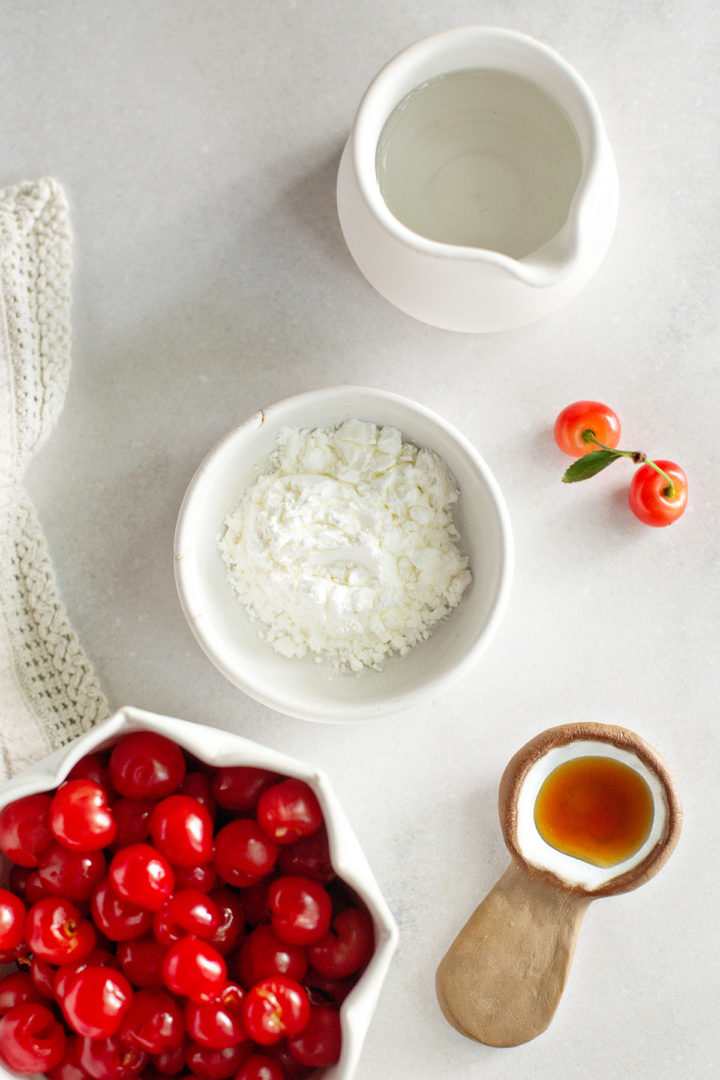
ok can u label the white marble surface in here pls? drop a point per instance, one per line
(198, 144)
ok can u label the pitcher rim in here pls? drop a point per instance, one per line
(374, 110)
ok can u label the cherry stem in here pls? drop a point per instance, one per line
(637, 456)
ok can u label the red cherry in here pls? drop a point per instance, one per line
(154, 1022)
(63, 974)
(658, 499)
(577, 422)
(319, 1043)
(289, 810)
(25, 829)
(323, 990)
(19, 954)
(132, 817)
(346, 947)
(55, 931)
(255, 901)
(275, 1008)
(141, 875)
(17, 988)
(31, 1039)
(171, 1062)
(301, 909)
(34, 888)
(231, 920)
(263, 954)
(95, 1001)
(186, 912)
(182, 829)
(68, 1068)
(70, 874)
(141, 960)
(217, 1064)
(238, 787)
(198, 785)
(308, 857)
(108, 1059)
(194, 969)
(146, 765)
(18, 878)
(116, 918)
(292, 1069)
(12, 920)
(94, 767)
(217, 1024)
(43, 976)
(80, 817)
(12, 956)
(260, 1067)
(201, 878)
(244, 853)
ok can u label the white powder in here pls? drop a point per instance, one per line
(346, 547)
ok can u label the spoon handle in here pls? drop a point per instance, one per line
(502, 978)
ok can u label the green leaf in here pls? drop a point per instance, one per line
(589, 465)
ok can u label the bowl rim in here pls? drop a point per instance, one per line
(190, 589)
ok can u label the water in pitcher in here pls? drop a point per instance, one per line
(481, 159)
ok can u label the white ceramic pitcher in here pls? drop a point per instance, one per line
(469, 284)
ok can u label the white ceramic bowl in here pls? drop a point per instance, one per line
(216, 747)
(302, 687)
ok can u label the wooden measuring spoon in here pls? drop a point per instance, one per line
(502, 978)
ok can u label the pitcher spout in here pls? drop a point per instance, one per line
(558, 259)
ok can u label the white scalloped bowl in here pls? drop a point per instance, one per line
(216, 747)
(301, 687)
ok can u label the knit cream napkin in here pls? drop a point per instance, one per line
(48, 691)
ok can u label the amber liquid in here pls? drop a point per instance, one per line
(595, 808)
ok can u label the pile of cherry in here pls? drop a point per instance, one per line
(164, 918)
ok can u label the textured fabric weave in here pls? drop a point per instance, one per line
(48, 691)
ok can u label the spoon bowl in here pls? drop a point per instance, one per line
(523, 780)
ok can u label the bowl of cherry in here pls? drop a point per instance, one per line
(178, 901)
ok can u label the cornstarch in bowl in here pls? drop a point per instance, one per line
(345, 548)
